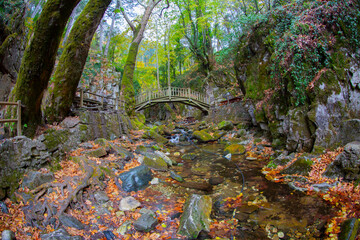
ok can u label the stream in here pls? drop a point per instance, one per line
(269, 210)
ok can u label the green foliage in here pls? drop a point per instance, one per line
(303, 38)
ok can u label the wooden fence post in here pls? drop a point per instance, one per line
(19, 118)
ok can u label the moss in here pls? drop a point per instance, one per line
(127, 85)
(7, 42)
(39, 58)
(202, 136)
(318, 150)
(83, 127)
(69, 69)
(235, 149)
(55, 138)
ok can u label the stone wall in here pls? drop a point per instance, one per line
(19, 154)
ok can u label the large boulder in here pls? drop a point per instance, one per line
(347, 164)
(136, 178)
(196, 216)
(152, 134)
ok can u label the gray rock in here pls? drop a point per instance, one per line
(70, 122)
(129, 204)
(60, 234)
(86, 145)
(323, 187)
(8, 235)
(196, 216)
(101, 197)
(155, 161)
(347, 164)
(34, 179)
(70, 221)
(136, 178)
(124, 227)
(147, 211)
(145, 223)
(4, 208)
(122, 152)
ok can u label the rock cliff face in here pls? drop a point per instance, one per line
(328, 114)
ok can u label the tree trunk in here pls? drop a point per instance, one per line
(111, 30)
(38, 60)
(71, 23)
(127, 88)
(101, 38)
(67, 75)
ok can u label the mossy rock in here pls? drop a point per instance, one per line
(218, 134)
(155, 162)
(226, 125)
(302, 166)
(100, 152)
(240, 133)
(54, 138)
(234, 149)
(278, 143)
(101, 141)
(203, 136)
(156, 136)
(189, 156)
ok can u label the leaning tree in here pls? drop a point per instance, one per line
(138, 30)
(62, 88)
(39, 59)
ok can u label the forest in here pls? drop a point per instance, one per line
(179, 119)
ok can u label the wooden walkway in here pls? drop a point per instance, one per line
(85, 99)
(173, 94)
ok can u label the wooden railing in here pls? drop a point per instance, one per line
(18, 119)
(91, 100)
(171, 92)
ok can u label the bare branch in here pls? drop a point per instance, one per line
(141, 4)
(132, 26)
(168, 5)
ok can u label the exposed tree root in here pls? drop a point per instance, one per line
(43, 210)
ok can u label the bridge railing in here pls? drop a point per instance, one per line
(171, 92)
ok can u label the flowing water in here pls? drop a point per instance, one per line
(269, 210)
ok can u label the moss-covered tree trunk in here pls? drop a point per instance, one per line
(62, 88)
(38, 60)
(127, 87)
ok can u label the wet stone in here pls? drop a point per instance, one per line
(216, 180)
(136, 178)
(176, 177)
(100, 152)
(145, 223)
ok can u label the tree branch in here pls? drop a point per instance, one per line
(132, 26)
(141, 4)
(167, 6)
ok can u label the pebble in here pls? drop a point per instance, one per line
(281, 234)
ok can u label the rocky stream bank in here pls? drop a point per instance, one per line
(176, 181)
